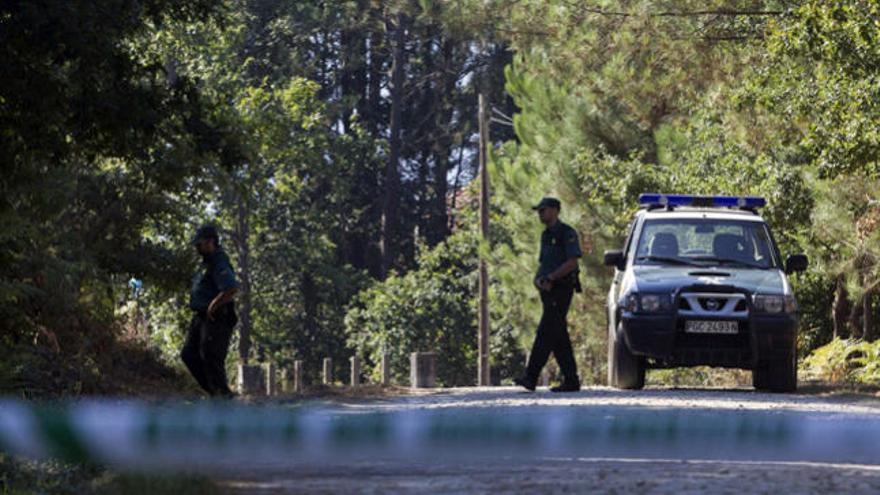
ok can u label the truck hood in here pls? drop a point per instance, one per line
(666, 279)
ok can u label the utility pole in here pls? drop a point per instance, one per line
(483, 341)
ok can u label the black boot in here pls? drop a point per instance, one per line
(568, 386)
(526, 382)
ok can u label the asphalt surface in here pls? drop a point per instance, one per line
(599, 440)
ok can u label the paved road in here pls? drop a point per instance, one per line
(598, 440)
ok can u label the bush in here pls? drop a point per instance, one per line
(18, 476)
(851, 361)
(82, 355)
(700, 376)
(433, 308)
(815, 296)
(52, 477)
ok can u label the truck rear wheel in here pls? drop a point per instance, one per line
(625, 370)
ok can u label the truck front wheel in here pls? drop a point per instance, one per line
(778, 375)
(625, 370)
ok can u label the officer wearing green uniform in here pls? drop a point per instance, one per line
(207, 341)
(556, 280)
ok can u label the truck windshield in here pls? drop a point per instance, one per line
(705, 242)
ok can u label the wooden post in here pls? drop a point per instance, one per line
(249, 380)
(386, 369)
(355, 371)
(271, 382)
(328, 371)
(285, 385)
(483, 315)
(423, 370)
(297, 376)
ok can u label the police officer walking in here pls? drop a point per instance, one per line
(556, 280)
(210, 331)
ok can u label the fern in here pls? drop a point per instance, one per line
(852, 361)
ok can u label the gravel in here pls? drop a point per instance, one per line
(669, 398)
(820, 444)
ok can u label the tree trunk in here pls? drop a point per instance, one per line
(241, 238)
(840, 309)
(311, 329)
(391, 202)
(353, 77)
(439, 228)
(856, 313)
(866, 267)
(373, 112)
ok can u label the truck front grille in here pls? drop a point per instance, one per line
(711, 304)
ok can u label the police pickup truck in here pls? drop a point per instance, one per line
(700, 281)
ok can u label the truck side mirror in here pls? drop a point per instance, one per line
(615, 258)
(796, 263)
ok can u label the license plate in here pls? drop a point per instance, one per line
(723, 327)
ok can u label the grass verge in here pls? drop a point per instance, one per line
(20, 477)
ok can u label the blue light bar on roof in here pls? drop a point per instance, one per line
(653, 199)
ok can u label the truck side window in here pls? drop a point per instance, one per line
(629, 239)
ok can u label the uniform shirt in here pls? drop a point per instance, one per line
(217, 276)
(559, 243)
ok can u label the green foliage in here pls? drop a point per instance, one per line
(51, 477)
(18, 476)
(96, 139)
(782, 105)
(295, 210)
(660, 111)
(431, 309)
(822, 70)
(298, 90)
(124, 127)
(699, 376)
(815, 294)
(850, 361)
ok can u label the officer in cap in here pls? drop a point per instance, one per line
(556, 281)
(210, 330)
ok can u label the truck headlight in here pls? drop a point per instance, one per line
(651, 303)
(774, 304)
(631, 303)
(647, 303)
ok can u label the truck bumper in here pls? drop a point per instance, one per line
(662, 338)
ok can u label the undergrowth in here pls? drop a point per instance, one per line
(844, 361)
(19, 476)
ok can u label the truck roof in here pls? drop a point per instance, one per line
(698, 213)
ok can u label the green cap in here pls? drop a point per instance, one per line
(206, 232)
(547, 202)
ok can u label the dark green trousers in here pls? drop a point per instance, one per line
(552, 335)
(205, 349)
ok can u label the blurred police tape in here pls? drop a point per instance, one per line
(138, 435)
